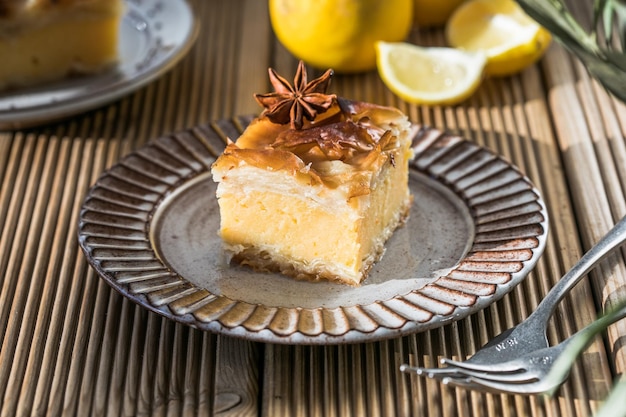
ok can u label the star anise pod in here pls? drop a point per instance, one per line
(290, 104)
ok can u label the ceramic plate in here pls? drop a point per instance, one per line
(154, 35)
(149, 227)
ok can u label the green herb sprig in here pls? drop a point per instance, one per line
(581, 341)
(600, 48)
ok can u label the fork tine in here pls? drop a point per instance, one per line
(503, 387)
(444, 376)
(415, 369)
(517, 375)
(462, 382)
(520, 377)
(479, 384)
(507, 367)
(429, 372)
(470, 383)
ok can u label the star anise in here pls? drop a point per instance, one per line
(290, 104)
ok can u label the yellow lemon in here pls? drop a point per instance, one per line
(500, 28)
(431, 13)
(339, 34)
(429, 75)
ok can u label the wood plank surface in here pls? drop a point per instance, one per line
(72, 346)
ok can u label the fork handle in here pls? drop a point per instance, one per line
(612, 240)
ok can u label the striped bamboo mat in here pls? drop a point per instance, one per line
(71, 346)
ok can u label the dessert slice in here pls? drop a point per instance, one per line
(47, 40)
(316, 184)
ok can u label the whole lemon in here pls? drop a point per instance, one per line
(432, 13)
(339, 34)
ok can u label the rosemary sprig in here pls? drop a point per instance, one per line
(603, 56)
(582, 340)
(614, 403)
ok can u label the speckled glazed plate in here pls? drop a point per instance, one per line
(149, 228)
(154, 35)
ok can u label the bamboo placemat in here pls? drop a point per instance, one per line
(71, 346)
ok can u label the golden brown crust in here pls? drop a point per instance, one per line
(361, 136)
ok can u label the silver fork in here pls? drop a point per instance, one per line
(530, 334)
(531, 373)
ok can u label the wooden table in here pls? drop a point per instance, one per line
(70, 345)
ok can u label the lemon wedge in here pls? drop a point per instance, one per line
(429, 75)
(509, 37)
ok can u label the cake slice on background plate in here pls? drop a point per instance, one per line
(315, 185)
(48, 40)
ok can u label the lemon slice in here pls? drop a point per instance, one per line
(429, 75)
(509, 37)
